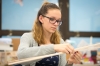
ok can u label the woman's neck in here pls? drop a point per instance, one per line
(47, 36)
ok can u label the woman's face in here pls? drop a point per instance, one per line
(51, 20)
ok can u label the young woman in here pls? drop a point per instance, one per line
(45, 39)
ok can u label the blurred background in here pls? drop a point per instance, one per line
(81, 20)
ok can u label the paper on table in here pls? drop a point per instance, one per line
(5, 41)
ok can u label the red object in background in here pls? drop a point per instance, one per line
(94, 59)
(84, 55)
(94, 56)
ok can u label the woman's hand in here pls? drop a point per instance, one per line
(76, 58)
(66, 48)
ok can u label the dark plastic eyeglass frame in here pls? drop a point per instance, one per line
(54, 21)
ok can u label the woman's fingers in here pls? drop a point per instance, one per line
(73, 59)
(69, 48)
(76, 61)
(66, 48)
(78, 56)
(66, 51)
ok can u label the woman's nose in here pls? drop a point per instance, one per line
(56, 23)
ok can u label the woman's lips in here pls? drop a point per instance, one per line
(53, 28)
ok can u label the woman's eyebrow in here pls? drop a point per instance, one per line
(55, 18)
(59, 19)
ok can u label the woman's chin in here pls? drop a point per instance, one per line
(52, 31)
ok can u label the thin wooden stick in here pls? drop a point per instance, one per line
(89, 46)
(40, 57)
(33, 58)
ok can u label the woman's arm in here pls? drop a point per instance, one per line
(25, 51)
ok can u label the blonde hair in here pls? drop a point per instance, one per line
(37, 28)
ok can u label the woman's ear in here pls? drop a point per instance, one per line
(41, 18)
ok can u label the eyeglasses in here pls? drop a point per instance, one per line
(53, 20)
